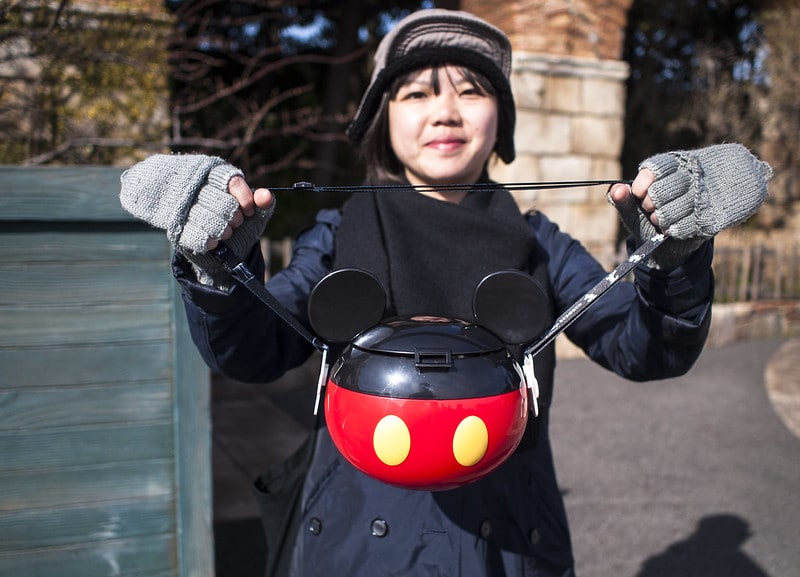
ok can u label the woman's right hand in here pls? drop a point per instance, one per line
(199, 201)
(249, 201)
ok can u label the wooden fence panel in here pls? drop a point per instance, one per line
(104, 400)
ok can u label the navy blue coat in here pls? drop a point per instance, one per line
(511, 523)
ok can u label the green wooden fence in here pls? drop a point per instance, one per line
(104, 402)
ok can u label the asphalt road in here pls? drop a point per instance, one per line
(691, 477)
(694, 476)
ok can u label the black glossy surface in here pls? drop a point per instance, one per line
(385, 361)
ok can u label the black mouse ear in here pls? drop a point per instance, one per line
(344, 303)
(513, 305)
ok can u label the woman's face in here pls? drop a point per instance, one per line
(442, 136)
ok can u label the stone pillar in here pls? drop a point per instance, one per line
(569, 87)
(569, 127)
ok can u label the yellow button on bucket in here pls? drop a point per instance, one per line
(470, 441)
(391, 440)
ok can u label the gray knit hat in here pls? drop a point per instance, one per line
(438, 37)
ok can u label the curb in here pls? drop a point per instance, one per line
(733, 322)
(782, 379)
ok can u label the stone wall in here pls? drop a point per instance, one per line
(569, 86)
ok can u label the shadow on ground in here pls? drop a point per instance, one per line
(713, 550)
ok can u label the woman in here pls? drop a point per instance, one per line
(438, 106)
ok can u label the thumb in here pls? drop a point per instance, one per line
(619, 193)
(263, 198)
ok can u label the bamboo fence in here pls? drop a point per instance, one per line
(752, 266)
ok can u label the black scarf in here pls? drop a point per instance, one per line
(430, 254)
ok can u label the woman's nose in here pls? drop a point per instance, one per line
(446, 110)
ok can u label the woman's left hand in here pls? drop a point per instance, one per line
(635, 195)
(691, 196)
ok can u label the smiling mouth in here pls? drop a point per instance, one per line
(446, 144)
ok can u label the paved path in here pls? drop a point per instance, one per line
(695, 476)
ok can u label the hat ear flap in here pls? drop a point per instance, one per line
(513, 305)
(345, 303)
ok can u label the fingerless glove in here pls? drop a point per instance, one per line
(696, 194)
(187, 196)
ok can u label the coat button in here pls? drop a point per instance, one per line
(486, 529)
(535, 537)
(380, 528)
(315, 526)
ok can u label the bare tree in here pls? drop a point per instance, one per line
(704, 72)
(780, 111)
(244, 90)
(268, 85)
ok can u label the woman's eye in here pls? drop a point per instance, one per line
(414, 95)
(471, 92)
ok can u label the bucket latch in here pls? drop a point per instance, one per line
(433, 358)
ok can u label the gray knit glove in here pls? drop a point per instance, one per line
(187, 195)
(697, 194)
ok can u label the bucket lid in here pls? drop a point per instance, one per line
(409, 335)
